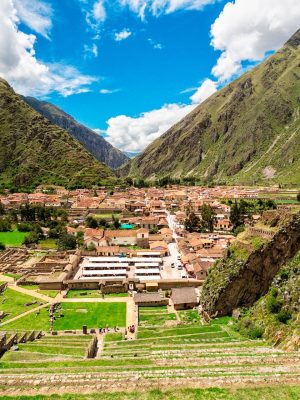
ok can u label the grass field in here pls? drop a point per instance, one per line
(74, 294)
(155, 317)
(94, 315)
(49, 293)
(259, 393)
(13, 303)
(13, 238)
(47, 244)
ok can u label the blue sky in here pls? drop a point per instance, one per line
(142, 76)
(130, 69)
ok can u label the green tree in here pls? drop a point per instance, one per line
(192, 223)
(2, 246)
(298, 197)
(207, 217)
(236, 217)
(91, 222)
(32, 238)
(66, 242)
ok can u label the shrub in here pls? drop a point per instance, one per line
(273, 305)
(2, 246)
(284, 274)
(248, 328)
(283, 316)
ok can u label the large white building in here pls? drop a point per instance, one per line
(145, 267)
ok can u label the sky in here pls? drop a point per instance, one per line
(130, 69)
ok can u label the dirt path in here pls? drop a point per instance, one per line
(4, 278)
(131, 317)
(32, 293)
(24, 314)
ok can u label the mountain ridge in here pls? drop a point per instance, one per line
(93, 142)
(247, 132)
(34, 151)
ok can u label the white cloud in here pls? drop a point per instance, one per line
(99, 12)
(134, 134)
(207, 88)
(36, 14)
(19, 65)
(158, 7)
(155, 45)
(108, 91)
(124, 34)
(90, 51)
(246, 30)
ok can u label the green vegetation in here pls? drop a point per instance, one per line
(75, 315)
(94, 143)
(13, 238)
(14, 276)
(73, 294)
(244, 133)
(155, 317)
(14, 303)
(48, 153)
(259, 393)
(275, 315)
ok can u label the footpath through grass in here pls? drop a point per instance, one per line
(75, 315)
(259, 393)
(14, 303)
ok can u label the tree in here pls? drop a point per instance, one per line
(236, 217)
(32, 238)
(115, 222)
(91, 222)
(66, 242)
(298, 197)
(91, 247)
(207, 217)
(5, 225)
(192, 222)
(2, 209)
(2, 246)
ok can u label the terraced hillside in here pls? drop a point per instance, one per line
(245, 133)
(179, 356)
(33, 151)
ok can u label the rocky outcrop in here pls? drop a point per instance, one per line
(234, 283)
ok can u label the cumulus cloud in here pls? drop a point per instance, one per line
(123, 35)
(99, 12)
(207, 89)
(36, 14)
(134, 134)
(158, 7)
(19, 65)
(246, 30)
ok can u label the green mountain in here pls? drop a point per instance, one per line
(34, 151)
(247, 132)
(94, 143)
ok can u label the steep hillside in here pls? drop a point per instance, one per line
(250, 266)
(32, 150)
(245, 133)
(276, 315)
(94, 143)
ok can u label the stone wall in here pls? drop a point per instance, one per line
(234, 283)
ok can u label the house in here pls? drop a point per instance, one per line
(184, 298)
(160, 246)
(150, 300)
(167, 234)
(130, 237)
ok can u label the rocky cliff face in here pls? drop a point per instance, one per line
(94, 143)
(235, 283)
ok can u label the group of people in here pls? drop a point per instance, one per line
(105, 330)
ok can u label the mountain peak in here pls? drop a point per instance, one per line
(294, 41)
